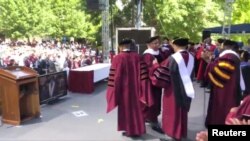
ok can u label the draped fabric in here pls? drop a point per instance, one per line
(123, 91)
(224, 76)
(176, 103)
(151, 113)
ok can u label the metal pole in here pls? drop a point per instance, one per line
(138, 17)
(105, 29)
(112, 26)
(228, 9)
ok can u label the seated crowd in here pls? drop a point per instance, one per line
(47, 57)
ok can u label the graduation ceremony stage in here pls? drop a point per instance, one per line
(58, 122)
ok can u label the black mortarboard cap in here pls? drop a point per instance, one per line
(181, 42)
(151, 39)
(229, 43)
(125, 41)
(220, 40)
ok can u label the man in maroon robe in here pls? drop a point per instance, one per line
(127, 75)
(226, 81)
(174, 75)
(151, 113)
(206, 48)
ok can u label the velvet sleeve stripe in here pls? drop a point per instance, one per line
(111, 83)
(144, 76)
(111, 78)
(111, 74)
(163, 71)
(226, 60)
(143, 65)
(220, 73)
(219, 78)
(161, 76)
(225, 70)
(226, 65)
(112, 71)
(143, 71)
(164, 68)
(143, 68)
(215, 81)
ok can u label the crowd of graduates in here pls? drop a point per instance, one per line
(160, 81)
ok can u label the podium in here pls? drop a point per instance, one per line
(19, 94)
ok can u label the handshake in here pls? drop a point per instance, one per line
(207, 56)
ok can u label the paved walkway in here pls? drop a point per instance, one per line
(81, 117)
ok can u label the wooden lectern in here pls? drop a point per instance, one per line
(19, 94)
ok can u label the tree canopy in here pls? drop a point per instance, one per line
(57, 18)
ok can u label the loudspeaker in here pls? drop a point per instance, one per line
(93, 4)
(205, 34)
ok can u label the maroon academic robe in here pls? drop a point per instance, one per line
(176, 103)
(224, 76)
(202, 62)
(166, 51)
(151, 113)
(202, 65)
(127, 73)
(244, 108)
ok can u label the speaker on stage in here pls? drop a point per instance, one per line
(93, 4)
(205, 34)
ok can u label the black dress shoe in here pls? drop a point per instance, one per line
(131, 136)
(157, 129)
(124, 134)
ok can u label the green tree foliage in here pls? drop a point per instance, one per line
(241, 14)
(71, 21)
(56, 18)
(125, 17)
(182, 18)
(241, 11)
(23, 18)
